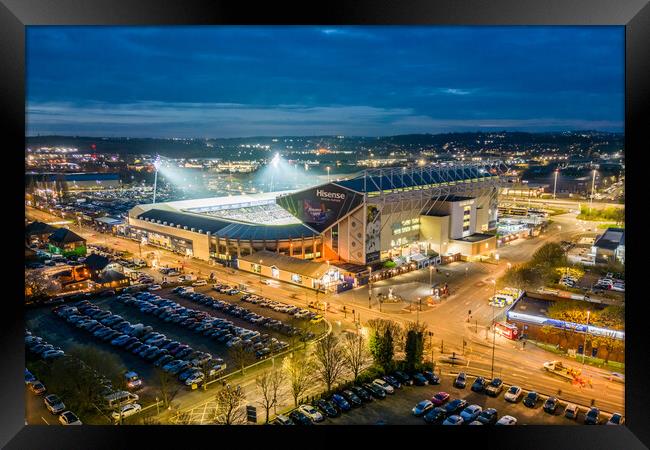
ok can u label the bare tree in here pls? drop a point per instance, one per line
(169, 387)
(269, 383)
(298, 369)
(330, 360)
(228, 409)
(240, 356)
(355, 353)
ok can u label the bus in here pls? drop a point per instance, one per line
(506, 330)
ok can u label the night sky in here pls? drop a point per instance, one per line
(355, 81)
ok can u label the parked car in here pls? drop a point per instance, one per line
(419, 380)
(571, 411)
(453, 420)
(431, 377)
(479, 384)
(616, 419)
(54, 404)
(69, 418)
(592, 417)
(376, 391)
(488, 416)
(327, 408)
(362, 393)
(550, 405)
(440, 398)
(125, 411)
(352, 398)
(311, 412)
(507, 420)
(471, 413)
(531, 399)
(283, 420)
(455, 406)
(392, 381)
(435, 415)
(402, 377)
(494, 387)
(422, 408)
(37, 387)
(341, 403)
(300, 418)
(513, 394)
(385, 386)
(460, 381)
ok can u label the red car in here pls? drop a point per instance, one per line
(440, 398)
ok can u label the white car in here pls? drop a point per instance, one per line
(385, 386)
(507, 420)
(513, 394)
(199, 283)
(311, 412)
(194, 379)
(126, 411)
(69, 418)
(155, 287)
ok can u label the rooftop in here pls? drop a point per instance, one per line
(65, 236)
(39, 228)
(289, 264)
(612, 238)
(476, 237)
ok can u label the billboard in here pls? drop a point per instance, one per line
(373, 233)
(322, 206)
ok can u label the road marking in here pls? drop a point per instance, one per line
(45, 420)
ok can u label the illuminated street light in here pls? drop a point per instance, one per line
(156, 165)
(493, 327)
(369, 287)
(593, 185)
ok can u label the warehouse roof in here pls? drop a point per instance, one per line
(288, 264)
(611, 239)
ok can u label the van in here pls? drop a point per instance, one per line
(120, 398)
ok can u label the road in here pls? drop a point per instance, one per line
(471, 285)
(35, 411)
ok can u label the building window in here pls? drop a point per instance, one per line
(256, 268)
(275, 272)
(296, 278)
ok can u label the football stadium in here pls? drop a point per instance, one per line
(321, 235)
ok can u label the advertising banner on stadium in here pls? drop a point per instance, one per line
(321, 206)
(373, 233)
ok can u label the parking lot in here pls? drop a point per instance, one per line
(396, 408)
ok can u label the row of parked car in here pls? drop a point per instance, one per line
(296, 312)
(172, 356)
(354, 397)
(42, 348)
(216, 328)
(608, 282)
(243, 313)
(514, 394)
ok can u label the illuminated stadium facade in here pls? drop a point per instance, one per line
(376, 215)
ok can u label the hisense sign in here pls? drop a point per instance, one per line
(330, 195)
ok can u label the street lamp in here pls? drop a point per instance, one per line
(555, 182)
(417, 320)
(431, 279)
(584, 345)
(593, 185)
(493, 328)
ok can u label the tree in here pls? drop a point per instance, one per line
(609, 343)
(384, 334)
(168, 387)
(106, 363)
(330, 360)
(269, 383)
(228, 409)
(612, 316)
(549, 255)
(298, 370)
(39, 286)
(240, 356)
(355, 353)
(414, 345)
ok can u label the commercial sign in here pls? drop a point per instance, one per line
(578, 328)
(321, 207)
(373, 233)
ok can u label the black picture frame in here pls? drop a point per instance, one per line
(15, 15)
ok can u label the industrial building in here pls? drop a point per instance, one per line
(380, 214)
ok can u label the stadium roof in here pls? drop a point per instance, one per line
(287, 263)
(413, 177)
(227, 202)
(227, 229)
(101, 176)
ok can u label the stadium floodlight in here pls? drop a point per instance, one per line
(156, 165)
(276, 160)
